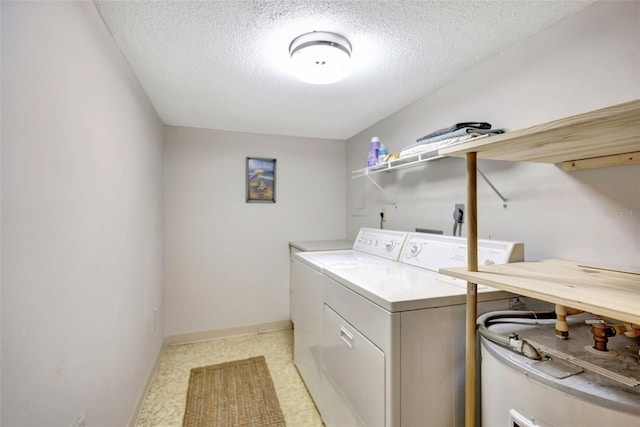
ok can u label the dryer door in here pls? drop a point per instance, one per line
(355, 372)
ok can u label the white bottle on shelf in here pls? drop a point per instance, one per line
(374, 148)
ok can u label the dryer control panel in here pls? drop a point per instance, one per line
(384, 243)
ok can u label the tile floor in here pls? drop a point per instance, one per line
(164, 404)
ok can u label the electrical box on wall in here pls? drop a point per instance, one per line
(458, 218)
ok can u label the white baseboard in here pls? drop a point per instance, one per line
(147, 385)
(228, 332)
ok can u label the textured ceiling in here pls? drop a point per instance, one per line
(225, 65)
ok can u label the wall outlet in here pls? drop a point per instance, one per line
(383, 218)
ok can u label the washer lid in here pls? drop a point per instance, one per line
(400, 287)
(323, 259)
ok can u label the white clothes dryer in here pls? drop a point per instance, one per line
(307, 270)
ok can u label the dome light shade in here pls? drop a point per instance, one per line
(320, 57)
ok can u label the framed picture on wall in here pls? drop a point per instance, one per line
(261, 180)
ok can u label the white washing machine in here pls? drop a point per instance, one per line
(370, 247)
(393, 335)
(572, 384)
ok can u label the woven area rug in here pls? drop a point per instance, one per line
(232, 394)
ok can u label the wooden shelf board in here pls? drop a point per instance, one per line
(606, 293)
(606, 132)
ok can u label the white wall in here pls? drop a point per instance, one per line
(0, 226)
(226, 261)
(81, 221)
(589, 61)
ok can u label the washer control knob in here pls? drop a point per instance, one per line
(390, 245)
(415, 249)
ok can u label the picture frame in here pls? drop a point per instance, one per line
(261, 180)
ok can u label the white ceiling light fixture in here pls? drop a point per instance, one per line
(320, 57)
